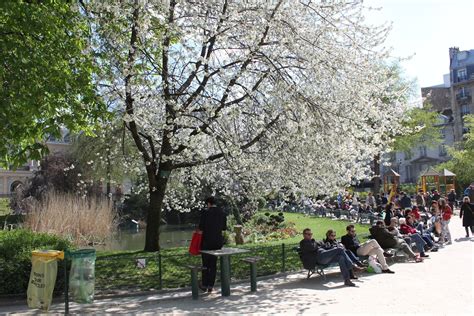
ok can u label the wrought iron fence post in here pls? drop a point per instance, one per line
(283, 258)
(160, 272)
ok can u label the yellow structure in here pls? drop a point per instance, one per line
(429, 179)
(391, 180)
(447, 181)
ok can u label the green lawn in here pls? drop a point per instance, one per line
(319, 227)
(4, 208)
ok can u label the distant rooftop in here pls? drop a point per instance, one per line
(461, 58)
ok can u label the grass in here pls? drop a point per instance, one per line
(319, 227)
(118, 270)
(4, 207)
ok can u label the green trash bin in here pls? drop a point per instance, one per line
(44, 269)
(82, 275)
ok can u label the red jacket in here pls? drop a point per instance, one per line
(407, 229)
(416, 214)
(446, 213)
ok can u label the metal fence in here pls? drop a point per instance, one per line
(167, 270)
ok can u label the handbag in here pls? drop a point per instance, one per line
(195, 246)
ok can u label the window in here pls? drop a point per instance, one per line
(462, 74)
(422, 151)
(465, 109)
(442, 151)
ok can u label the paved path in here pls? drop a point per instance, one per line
(442, 285)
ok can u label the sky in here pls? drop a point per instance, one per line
(425, 30)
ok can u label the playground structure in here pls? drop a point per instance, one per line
(442, 181)
(391, 182)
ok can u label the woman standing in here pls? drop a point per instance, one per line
(446, 213)
(466, 214)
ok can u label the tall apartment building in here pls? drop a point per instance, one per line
(452, 100)
(461, 72)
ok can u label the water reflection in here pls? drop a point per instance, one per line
(130, 239)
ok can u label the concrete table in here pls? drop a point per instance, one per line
(224, 256)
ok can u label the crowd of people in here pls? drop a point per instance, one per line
(412, 225)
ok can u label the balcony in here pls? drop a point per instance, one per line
(463, 97)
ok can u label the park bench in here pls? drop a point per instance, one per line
(194, 279)
(252, 261)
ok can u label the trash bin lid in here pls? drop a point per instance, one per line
(82, 253)
(48, 254)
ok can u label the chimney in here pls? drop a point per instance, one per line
(452, 53)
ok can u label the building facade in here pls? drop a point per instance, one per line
(461, 72)
(10, 178)
(452, 100)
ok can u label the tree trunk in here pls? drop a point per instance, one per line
(377, 174)
(152, 237)
(235, 211)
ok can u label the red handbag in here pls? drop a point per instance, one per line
(195, 246)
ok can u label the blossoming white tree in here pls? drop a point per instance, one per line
(248, 95)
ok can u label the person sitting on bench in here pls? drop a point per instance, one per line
(368, 248)
(331, 242)
(387, 240)
(313, 253)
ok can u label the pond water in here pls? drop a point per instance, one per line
(171, 236)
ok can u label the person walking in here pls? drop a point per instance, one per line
(446, 213)
(212, 223)
(467, 210)
(452, 199)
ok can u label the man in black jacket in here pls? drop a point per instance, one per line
(405, 201)
(368, 248)
(212, 223)
(387, 240)
(312, 252)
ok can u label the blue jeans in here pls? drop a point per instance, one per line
(352, 256)
(418, 240)
(335, 255)
(428, 239)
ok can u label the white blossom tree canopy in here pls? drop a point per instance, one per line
(249, 95)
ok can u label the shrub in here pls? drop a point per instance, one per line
(15, 258)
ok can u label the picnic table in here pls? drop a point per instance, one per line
(224, 258)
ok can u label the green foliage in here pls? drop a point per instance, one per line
(46, 76)
(261, 203)
(15, 258)
(423, 128)
(4, 206)
(409, 188)
(135, 206)
(461, 162)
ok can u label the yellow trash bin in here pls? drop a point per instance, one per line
(42, 278)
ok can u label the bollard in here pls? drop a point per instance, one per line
(253, 276)
(160, 274)
(66, 289)
(283, 258)
(194, 284)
